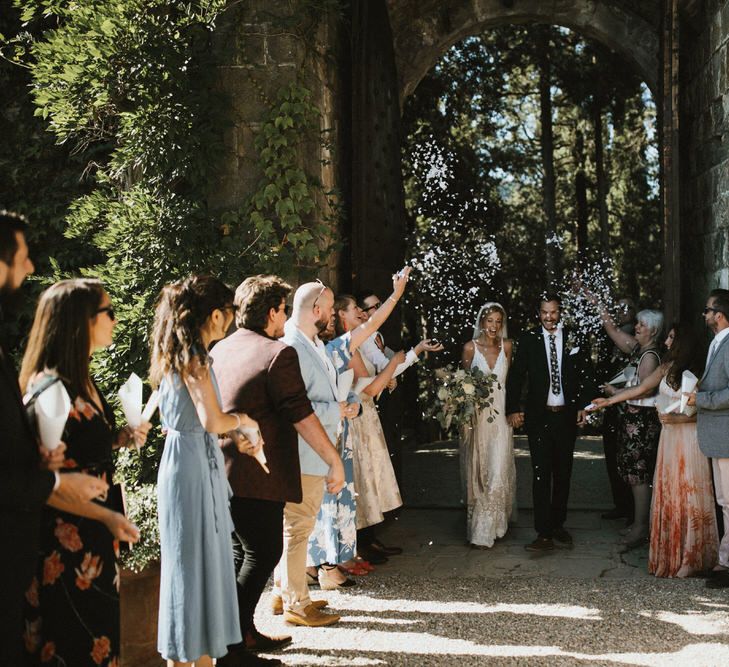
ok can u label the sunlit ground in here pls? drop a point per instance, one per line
(626, 623)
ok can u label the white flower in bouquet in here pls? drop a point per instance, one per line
(468, 389)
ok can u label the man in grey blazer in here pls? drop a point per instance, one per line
(712, 402)
(313, 308)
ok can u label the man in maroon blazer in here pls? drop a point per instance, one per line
(259, 375)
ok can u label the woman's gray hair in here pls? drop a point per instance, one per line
(653, 319)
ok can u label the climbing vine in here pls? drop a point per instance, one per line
(127, 89)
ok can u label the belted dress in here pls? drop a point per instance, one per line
(198, 610)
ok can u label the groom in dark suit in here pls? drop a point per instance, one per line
(559, 382)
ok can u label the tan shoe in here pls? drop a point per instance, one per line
(277, 604)
(311, 618)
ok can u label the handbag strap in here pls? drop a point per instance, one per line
(40, 387)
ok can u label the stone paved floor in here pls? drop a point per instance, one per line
(445, 603)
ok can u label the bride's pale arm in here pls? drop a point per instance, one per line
(467, 355)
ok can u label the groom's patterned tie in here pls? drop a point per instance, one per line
(554, 364)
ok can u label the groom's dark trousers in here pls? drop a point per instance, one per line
(552, 445)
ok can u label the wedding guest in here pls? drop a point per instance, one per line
(198, 611)
(379, 355)
(683, 534)
(611, 361)
(313, 310)
(72, 616)
(639, 425)
(374, 480)
(260, 375)
(559, 381)
(340, 534)
(487, 449)
(29, 477)
(712, 402)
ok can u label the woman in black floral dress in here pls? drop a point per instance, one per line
(72, 616)
(639, 427)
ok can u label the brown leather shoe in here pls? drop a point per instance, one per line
(255, 641)
(311, 618)
(540, 544)
(277, 604)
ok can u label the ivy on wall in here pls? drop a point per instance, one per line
(126, 87)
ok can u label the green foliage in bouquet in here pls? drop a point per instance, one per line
(460, 395)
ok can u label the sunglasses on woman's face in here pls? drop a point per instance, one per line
(374, 306)
(109, 310)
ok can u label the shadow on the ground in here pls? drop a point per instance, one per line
(403, 620)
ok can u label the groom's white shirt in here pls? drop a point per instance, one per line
(554, 399)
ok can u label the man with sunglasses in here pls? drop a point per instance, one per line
(712, 420)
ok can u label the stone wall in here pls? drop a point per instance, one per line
(704, 155)
(259, 50)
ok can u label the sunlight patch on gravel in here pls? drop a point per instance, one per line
(695, 623)
(370, 604)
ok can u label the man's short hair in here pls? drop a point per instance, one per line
(546, 297)
(255, 297)
(721, 300)
(10, 224)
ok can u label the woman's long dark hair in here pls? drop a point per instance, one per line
(687, 353)
(182, 310)
(60, 338)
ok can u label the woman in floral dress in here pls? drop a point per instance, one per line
(683, 534)
(72, 616)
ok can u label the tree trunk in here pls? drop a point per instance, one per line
(602, 183)
(581, 195)
(547, 151)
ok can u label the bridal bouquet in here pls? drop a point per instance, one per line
(460, 394)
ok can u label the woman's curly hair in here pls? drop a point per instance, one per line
(180, 313)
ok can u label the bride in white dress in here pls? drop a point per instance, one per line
(488, 471)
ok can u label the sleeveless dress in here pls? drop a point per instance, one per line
(638, 436)
(198, 607)
(488, 470)
(334, 538)
(72, 613)
(684, 539)
(374, 476)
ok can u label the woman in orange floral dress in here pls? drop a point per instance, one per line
(683, 534)
(72, 616)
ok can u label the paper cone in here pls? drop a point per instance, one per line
(51, 410)
(130, 396)
(344, 384)
(151, 407)
(254, 435)
(667, 404)
(688, 384)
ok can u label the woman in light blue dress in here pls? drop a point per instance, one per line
(334, 538)
(198, 609)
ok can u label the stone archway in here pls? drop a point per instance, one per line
(396, 42)
(425, 29)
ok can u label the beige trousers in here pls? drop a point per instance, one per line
(299, 519)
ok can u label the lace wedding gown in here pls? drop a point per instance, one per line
(488, 471)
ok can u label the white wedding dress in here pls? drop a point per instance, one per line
(488, 471)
